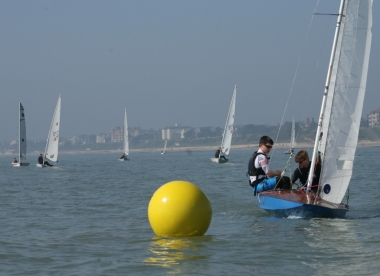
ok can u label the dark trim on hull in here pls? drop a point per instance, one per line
(309, 211)
(285, 203)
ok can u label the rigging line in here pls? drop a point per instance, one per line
(295, 75)
(313, 78)
(283, 172)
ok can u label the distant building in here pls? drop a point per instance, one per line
(175, 133)
(165, 134)
(100, 138)
(73, 140)
(374, 118)
(134, 131)
(117, 134)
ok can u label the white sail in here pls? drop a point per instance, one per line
(164, 151)
(22, 135)
(126, 141)
(293, 136)
(344, 102)
(51, 152)
(229, 127)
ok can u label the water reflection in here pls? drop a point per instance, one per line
(171, 252)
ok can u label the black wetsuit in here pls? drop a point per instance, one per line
(302, 175)
(217, 155)
(41, 160)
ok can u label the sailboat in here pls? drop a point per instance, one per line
(22, 139)
(125, 139)
(339, 121)
(51, 149)
(164, 151)
(227, 134)
(292, 138)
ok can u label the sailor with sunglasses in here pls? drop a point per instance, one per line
(261, 177)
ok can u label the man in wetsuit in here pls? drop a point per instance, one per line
(302, 172)
(217, 154)
(41, 160)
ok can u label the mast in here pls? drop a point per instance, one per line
(19, 133)
(320, 121)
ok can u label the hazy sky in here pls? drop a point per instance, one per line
(167, 62)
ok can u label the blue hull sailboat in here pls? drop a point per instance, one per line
(339, 121)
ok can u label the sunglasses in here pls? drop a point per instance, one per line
(300, 162)
(268, 146)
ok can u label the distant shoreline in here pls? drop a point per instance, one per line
(196, 148)
(204, 148)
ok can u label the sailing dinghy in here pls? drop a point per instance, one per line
(125, 139)
(51, 149)
(164, 151)
(228, 131)
(292, 139)
(339, 121)
(22, 139)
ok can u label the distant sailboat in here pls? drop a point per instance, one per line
(227, 134)
(164, 151)
(125, 141)
(51, 150)
(292, 138)
(22, 139)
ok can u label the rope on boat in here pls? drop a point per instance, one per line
(286, 166)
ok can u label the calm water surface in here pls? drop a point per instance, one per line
(88, 216)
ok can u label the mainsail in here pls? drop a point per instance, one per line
(51, 152)
(346, 89)
(126, 142)
(229, 127)
(22, 135)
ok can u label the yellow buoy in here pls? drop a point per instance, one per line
(179, 208)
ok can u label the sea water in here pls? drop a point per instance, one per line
(88, 216)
